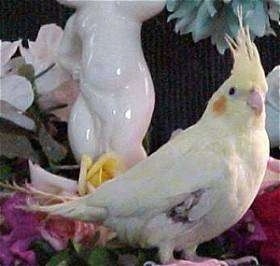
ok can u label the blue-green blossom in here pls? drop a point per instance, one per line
(215, 18)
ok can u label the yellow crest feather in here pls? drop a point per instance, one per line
(247, 64)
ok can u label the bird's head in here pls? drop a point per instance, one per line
(240, 99)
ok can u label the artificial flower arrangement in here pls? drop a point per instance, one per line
(36, 96)
(214, 19)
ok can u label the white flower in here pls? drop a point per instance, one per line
(14, 89)
(50, 183)
(56, 86)
(42, 55)
(17, 91)
(272, 105)
(8, 49)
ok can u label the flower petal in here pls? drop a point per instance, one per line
(105, 168)
(9, 112)
(50, 36)
(7, 51)
(50, 183)
(39, 64)
(272, 107)
(42, 53)
(22, 231)
(65, 94)
(56, 243)
(86, 163)
(52, 79)
(272, 177)
(17, 91)
(273, 165)
(13, 65)
(273, 82)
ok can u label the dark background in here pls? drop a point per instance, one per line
(185, 74)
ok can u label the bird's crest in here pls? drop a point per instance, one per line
(247, 64)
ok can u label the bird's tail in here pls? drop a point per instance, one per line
(78, 209)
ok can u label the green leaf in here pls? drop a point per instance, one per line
(60, 259)
(79, 248)
(43, 251)
(27, 71)
(147, 255)
(6, 172)
(101, 257)
(12, 146)
(211, 249)
(54, 151)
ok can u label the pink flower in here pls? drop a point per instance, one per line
(42, 54)
(59, 231)
(65, 94)
(20, 229)
(273, 165)
(272, 175)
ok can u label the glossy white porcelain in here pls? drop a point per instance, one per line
(102, 48)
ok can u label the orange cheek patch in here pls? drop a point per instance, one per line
(219, 105)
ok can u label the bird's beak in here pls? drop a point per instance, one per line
(256, 101)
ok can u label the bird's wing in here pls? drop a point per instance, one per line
(194, 206)
(163, 182)
(179, 173)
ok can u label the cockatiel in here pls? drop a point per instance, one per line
(187, 193)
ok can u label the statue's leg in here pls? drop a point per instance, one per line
(131, 152)
(82, 130)
(101, 106)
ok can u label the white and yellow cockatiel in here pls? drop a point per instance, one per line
(198, 184)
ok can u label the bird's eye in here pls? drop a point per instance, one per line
(232, 91)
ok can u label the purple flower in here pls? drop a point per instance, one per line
(246, 235)
(22, 229)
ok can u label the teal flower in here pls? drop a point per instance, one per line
(215, 18)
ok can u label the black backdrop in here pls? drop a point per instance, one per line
(185, 74)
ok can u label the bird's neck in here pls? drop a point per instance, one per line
(235, 125)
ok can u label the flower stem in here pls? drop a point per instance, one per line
(44, 71)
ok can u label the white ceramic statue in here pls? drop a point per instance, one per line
(102, 48)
